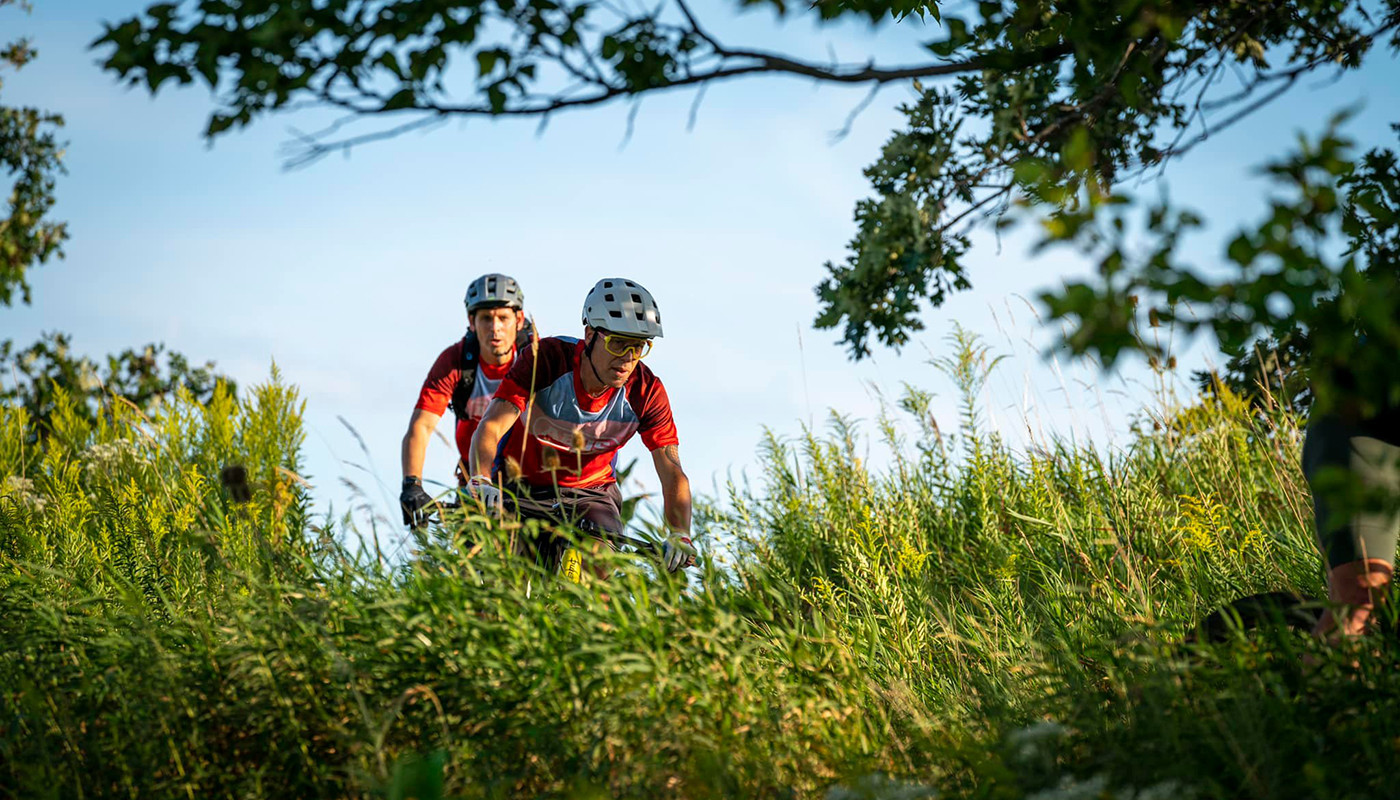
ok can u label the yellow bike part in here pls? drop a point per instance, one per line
(571, 565)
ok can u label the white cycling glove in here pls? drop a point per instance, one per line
(485, 492)
(677, 552)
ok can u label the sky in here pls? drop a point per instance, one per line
(349, 273)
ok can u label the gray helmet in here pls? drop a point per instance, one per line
(618, 305)
(494, 291)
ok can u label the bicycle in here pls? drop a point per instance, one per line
(560, 554)
(1301, 613)
(1256, 611)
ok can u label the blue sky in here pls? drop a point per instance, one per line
(350, 273)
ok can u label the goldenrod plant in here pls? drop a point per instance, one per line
(129, 508)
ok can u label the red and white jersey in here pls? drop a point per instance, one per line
(566, 437)
(436, 394)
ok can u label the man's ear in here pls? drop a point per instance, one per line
(519, 319)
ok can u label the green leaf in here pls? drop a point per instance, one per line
(390, 61)
(1241, 250)
(1078, 152)
(957, 37)
(403, 98)
(486, 62)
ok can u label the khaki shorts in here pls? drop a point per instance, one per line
(599, 505)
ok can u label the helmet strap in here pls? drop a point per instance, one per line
(588, 355)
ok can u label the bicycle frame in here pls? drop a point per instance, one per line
(567, 561)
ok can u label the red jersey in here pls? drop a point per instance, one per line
(436, 393)
(573, 438)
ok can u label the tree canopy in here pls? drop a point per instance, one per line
(30, 157)
(1045, 105)
(47, 373)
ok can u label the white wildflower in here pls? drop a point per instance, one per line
(878, 786)
(1096, 788)
(88, 381)
(22, 492)
(1072, 788)
(1034, 740)
(104, 458)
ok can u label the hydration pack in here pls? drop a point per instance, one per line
(469, 355)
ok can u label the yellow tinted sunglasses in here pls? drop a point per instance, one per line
(623, 346)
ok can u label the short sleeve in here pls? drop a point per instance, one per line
(657, 428)
(436, 393)
(534, 367)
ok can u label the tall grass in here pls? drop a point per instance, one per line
(131, 509)
(968, 572)
(972, 621)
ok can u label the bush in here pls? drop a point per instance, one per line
(129, 508)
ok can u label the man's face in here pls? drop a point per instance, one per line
(614, 370)
(495, 329)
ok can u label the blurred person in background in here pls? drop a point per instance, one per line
(465, 376)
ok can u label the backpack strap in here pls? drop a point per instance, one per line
(524, 336)
(468, 355)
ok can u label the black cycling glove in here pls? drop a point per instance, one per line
(413, 500)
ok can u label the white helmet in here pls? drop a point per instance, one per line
(494, 290)
(618, 305)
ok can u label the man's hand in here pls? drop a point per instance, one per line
(413, 500)
(485, 492)
(677, 552)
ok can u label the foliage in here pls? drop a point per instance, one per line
(1115, 100)
(128, 507)
(915, 183)
(973, 574)
(47, 375)
(972, 621)
(1046, 102)
(163, 640)
(32, 157)
(1270, 372)
(1286, 276)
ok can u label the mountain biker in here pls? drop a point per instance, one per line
(464, 377)
(566, 408)
(1358, 546)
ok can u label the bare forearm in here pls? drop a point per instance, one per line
(415, 442)
(677, 504)
(500, 415)
(675, 488)
(483, 451)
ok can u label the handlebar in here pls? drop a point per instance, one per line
(586, 526)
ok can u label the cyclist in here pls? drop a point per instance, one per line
(464, 377)
(1358, 547)
(565, 410)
